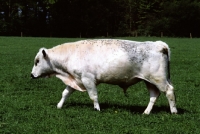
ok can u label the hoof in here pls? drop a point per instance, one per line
(95, 109)
(59, 106)
(174, 111)
(146, 112)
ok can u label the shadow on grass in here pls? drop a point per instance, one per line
(140, 109)
(132, 109)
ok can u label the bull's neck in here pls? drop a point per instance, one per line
(59, 62)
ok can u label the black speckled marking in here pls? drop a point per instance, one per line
(136, 51)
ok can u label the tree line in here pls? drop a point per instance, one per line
(100, 18)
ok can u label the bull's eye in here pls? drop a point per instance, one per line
(36, 62)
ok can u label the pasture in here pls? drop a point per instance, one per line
(29, 106)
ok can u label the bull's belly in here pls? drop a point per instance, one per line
(123, 79)
(124, 83)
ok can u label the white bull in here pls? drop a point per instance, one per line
(82, 65)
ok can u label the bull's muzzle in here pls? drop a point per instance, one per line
(33, 77)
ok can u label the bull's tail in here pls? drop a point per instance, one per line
(168, 69)
(166, 51)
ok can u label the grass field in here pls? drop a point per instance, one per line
(29, 106)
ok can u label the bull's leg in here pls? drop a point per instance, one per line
(66, 93)
(171, 98)
(90, 85)
(169, 90)
(154, 93)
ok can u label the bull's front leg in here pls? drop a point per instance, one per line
(66, 93)
(89, 83)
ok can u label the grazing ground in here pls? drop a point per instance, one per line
(29, 106)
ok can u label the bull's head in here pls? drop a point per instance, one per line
(42, 66)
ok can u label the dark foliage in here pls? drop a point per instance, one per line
(99, 18)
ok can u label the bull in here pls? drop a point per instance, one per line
(82, 65)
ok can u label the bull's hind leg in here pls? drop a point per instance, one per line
(154, 93)
(66, 93)
(171, 98)
(169, 91)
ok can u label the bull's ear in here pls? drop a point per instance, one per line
(44, 53)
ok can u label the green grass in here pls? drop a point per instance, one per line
(29, 106)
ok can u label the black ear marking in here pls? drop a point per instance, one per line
(44, 53)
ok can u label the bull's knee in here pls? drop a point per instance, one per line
(170, 93)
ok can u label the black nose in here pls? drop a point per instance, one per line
(32, 76)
